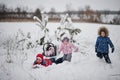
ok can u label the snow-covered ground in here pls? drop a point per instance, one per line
(84, 65)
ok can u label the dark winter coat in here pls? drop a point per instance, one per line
(102, 44)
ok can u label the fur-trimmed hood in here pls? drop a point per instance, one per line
(104, 29)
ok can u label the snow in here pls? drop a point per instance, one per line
(84, 65)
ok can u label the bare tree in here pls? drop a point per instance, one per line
(80, 13)
(116, 19)
(52, 12)
(92, 15)
(38, 13)
(3, 8)
(69, 8)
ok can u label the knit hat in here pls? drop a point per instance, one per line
(40, 56)
(65, 38)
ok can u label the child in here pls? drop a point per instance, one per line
(45, 62)
(50, 51)
(101, 47)
(41, 61)
(67, 48)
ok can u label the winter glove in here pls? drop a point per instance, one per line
(76, 50)
(96, 50)
(58, 52)
(113, 50)
(34, 66)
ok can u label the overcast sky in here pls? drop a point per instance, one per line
(60, 5)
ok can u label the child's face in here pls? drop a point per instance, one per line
(38, 59)
(50, 48)
(103, 34)
(66, 42)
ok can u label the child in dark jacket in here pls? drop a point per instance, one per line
(102, 44)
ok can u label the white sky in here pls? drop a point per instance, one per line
(60, 5)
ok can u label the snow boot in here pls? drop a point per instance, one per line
(107, 59)
(99, 55)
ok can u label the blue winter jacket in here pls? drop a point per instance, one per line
(102, 44)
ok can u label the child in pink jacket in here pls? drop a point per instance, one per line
(66, 48)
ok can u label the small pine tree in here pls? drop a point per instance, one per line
(66, 29)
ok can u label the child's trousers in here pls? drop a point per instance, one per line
(59, 60)
(105, 55)
(67, 57)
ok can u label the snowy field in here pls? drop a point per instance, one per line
(84, 65)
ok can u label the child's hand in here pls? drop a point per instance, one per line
(96, 50)
(112, 50)
(58, 52)
(35, 66)
(76, 50)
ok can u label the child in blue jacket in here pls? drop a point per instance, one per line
(102, 44)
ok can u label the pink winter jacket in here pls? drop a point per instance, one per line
(67, 49)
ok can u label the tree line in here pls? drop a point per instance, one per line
(86, 14)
